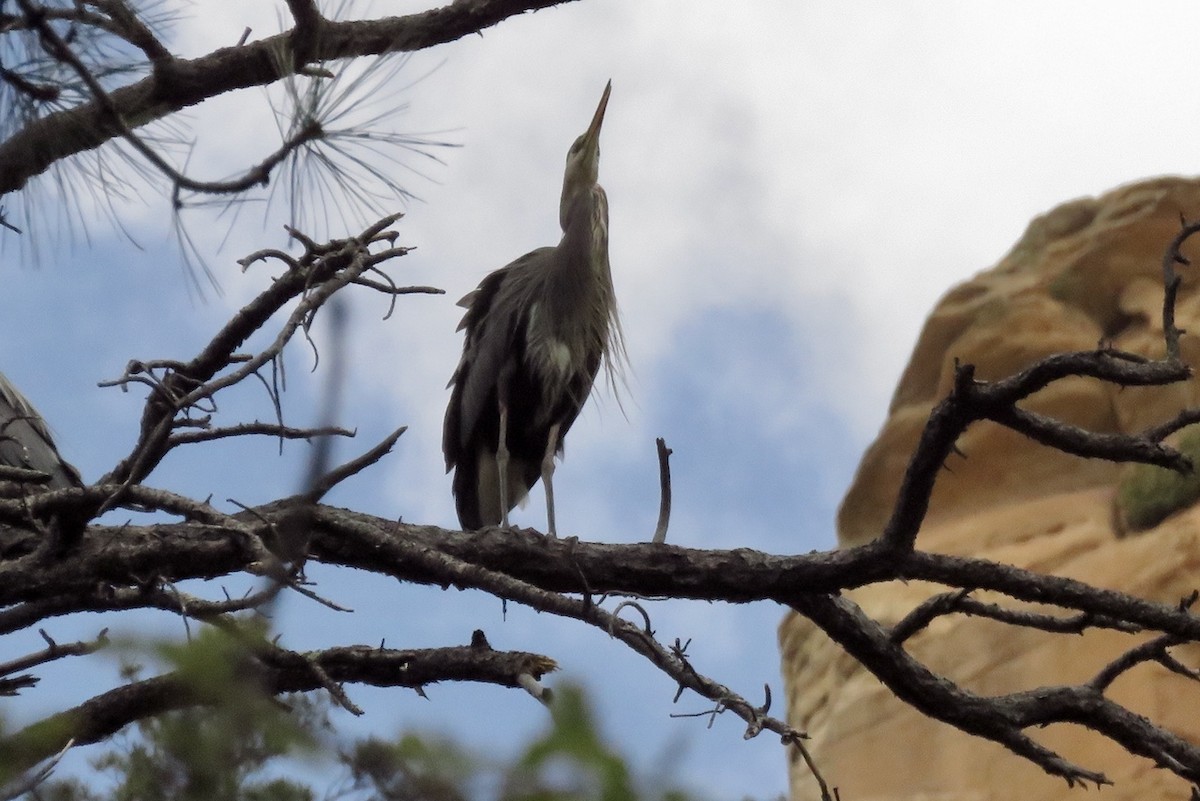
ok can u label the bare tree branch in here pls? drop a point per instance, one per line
(960, 601)
(321, 272)
(106, 714)
(664, 488)
(54, 651)
(176, 83)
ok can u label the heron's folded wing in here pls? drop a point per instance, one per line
(25, 439)
(494, 322)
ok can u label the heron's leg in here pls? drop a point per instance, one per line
(548, 475)
(502, 464)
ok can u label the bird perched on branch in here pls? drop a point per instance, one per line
(25, 443)
(536, 333)
(25, 440)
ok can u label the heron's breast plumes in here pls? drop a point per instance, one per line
(558, 355)
(599, 259)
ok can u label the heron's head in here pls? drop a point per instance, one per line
(583, 160)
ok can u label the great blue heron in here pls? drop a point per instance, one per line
(25, 440)
(536, 332)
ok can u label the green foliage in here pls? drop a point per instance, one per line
(1147, 495)
(412, 767)
(595, 770)
(216, 754)
(570, 760)
(218, 751)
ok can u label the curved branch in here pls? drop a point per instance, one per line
(1002, 719)
(970, 401)
(959, 602)
(176, 84)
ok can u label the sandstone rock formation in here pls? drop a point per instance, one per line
(1087, 271)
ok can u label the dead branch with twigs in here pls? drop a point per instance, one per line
(141, 567)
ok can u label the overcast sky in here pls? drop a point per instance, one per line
(792, 186)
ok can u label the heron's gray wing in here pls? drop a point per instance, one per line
(25, 439)
(493, 322)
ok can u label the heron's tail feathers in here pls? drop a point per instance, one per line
(477, 488)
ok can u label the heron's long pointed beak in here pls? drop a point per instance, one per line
(583, 160)
(591, 137)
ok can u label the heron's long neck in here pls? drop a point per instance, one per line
(581, 280)
(585, 237)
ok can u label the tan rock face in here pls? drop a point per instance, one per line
(1087, 271)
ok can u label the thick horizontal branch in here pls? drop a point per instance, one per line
(522, 564)
(125, 556)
